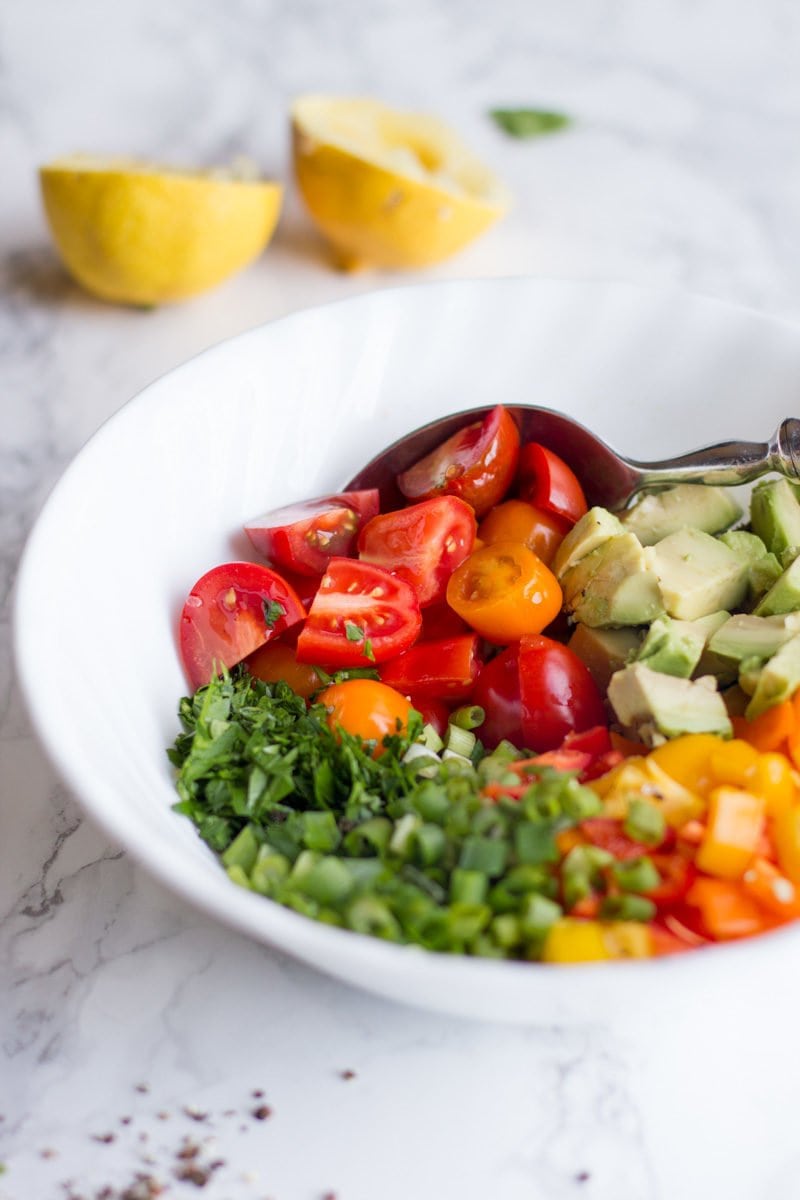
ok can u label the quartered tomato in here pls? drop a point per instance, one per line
(497, 693)
(423, 544)
(361, 615)
(304, 537)
(231, 611)
(557, 693)
(518, 521)
(504, 591)
(477, 464)
(545, 480)
(277, 661)
(445, 670)
(440, 621)
(366, 709)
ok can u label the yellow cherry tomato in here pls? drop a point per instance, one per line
(366, 708)
(504, 591)
(518, 521)
(276, 661)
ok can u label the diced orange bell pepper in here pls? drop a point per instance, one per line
(793, 738)
(786, 836)
(772, 890)
(625, 746)
(726, 909)
(736, 821)
(774, 780)
(769, 730)
(566, 839)
(734, 762)
(571, 941)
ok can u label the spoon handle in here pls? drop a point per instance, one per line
(727, 463)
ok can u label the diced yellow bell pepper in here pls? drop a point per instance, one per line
(627, 777)
(628, 939)
(736, 821)
(734, 762)
(645, 779)
(774, 779)
(687, 759)
(786, 836)
(571, 941)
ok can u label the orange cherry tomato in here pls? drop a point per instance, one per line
(367, 709)
(518, 521)
(504, 591)
(277, 662)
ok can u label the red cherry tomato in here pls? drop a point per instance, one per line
(361, 615)
(304, 537)
(518, 521)
(277, 661)
(440, 621)
(445, 670)
(477, 464)
(557, 692)
(423, 544)
(433, 712)
(231, 611)
(595, 741)
(545, 480)
(497, 693)
(367, 709)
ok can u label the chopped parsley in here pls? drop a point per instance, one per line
(529, 122)
(273, 611)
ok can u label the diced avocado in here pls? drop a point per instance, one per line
(651, 706)
(761, 575)
(697, 574)
(659, 514)
(673, 647)
(749, 673)
(735, 700)
(604, 651)
(613, 585)
(778, 679)
(775, 517)
(747, 547)
(784, 595)
(595, 527)
(747, 636)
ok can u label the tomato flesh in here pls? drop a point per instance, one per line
(443, 670)
(423, 544)
(504, 591)
(477, 464)
(361, 615)
(545, 480)
(231, 611)
(304, 537)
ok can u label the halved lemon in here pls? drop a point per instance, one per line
(388, 188)
(139, 234)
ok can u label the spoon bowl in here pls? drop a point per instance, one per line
(608, 478)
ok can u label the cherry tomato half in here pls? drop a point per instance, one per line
(439, 621)
(504, 591)
(545, 480)
(557, 692)
(304, 537)
(423, 544)
(361, 615)
(277, 661)
(231, 611)
(497, 692)
(518, 521)
(444, 670)
(367, 709)
(477, 464)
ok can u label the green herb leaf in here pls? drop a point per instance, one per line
(529, 122)
(368, 651)
(353, 632)
(273, 611)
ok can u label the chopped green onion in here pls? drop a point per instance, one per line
(537, 914)
(239, 876)
(431, 740)
(645, 823)
(269, 871)
(465, 921)
(242, 850)
(320, 831)
(468, 887)
(429, 844)
(483, 854)
(535, 842)
(401, 841)
(636, 875)
(506, 930)
(470, 716)
(369, 914)
(628, 908)
(328, 881)
(370, 837)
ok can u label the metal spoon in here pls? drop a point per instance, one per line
(608, 478)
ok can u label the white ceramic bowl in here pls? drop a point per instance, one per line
(293, 409)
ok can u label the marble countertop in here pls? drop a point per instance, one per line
(139, 1040)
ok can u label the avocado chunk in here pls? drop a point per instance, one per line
(775, 517)
(673, 647)
(761, 575)
(614, 585)
(594, 527)
(784, 595)
(747, 547)
(604, 651)
(747, 636)
(698, 575)
(778, 679)
(651, 706)
(657, 515)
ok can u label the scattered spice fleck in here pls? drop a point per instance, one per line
(329, 1196)
(188, 1149)
(195, 1114)
(125, 1120)
(144, 1088)
(104, 1138)
(262, 1112)
(193, 1173)
(163, 1116)
(257, 1093)
(48, 1152)
(144, 1187)
(582, 1177)
(348, 1074)
(229, 1112)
